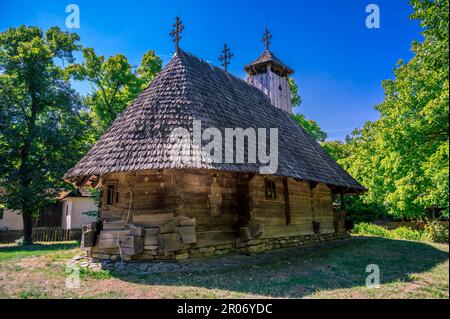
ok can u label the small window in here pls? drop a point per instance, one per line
(271, 191)
(111, 193)
(2, 210)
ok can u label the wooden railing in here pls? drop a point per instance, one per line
(43, 234)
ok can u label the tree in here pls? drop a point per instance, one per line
(42, 122)
(336, 149)
(115, 83)
(403, 158)
(310, 126)
(296, 100)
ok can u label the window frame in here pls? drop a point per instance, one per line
(270, 189)
(113, 192)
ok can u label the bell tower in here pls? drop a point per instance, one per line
(271, 76)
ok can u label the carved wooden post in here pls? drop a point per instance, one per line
(215, 198)
(286, 201)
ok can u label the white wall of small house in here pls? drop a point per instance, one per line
(11, 220)
(73, 209)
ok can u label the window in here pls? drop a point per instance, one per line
(111, 193)
(2, 210)
(271, 191)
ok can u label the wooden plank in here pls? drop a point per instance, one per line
(187, 234)
(169, 226)
(286, 200)
(151, 240)
(113, 234)
(171, 242)
(107, 242)
(114, 225)
(136, 230)
(151, 231)
(211, 238)
(274, 231)
(186, 221)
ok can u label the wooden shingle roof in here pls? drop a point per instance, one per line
(267, 57)
(189, 89)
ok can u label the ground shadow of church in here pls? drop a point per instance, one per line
(295, 272)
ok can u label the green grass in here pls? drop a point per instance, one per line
(320, 271)
(409, 269)
(58, 250)
(87, 274)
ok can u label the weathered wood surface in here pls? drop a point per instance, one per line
(306, 204)
(187, 234)
(171, 209)
(276, 87)
(171, 242)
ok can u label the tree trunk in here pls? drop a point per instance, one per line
(27, 228)
(25, 169)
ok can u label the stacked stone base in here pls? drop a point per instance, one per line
(261, 245)
(251, 246)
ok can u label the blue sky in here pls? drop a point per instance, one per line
(339, 63)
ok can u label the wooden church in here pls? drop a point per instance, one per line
(155, 206)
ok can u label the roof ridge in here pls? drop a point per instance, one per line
(217, 68)
(190, 88)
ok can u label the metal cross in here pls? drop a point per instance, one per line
(176, 33)
(266, 39)
(226, 57)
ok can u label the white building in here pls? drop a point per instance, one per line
(76, 209)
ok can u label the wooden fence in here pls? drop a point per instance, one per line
(43, 234)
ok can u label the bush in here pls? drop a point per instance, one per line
(366, 229)
(359, 212)
(408, 234)
(437, 232)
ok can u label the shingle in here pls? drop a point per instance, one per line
(187, 89)
(267, 57)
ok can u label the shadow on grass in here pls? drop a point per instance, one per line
(298, 272)
(16, 251)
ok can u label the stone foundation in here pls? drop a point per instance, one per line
(247, 247)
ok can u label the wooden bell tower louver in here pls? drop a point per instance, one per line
(271, 76)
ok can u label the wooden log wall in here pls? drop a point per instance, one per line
(307, 203)
(323, 207)
(157, 197)
(275, 87)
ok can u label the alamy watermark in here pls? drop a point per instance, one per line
(373, 19)
(73, 276)
(373, 279)
(212, 146)
(73, 19)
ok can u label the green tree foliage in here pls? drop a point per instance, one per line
(310, 126)
(115, 83)
(42, 122)
(296, 99)
(337, 149)
(403, 158)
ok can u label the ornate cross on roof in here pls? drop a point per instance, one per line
(266, 39)
(176, 32)
(226, 57)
